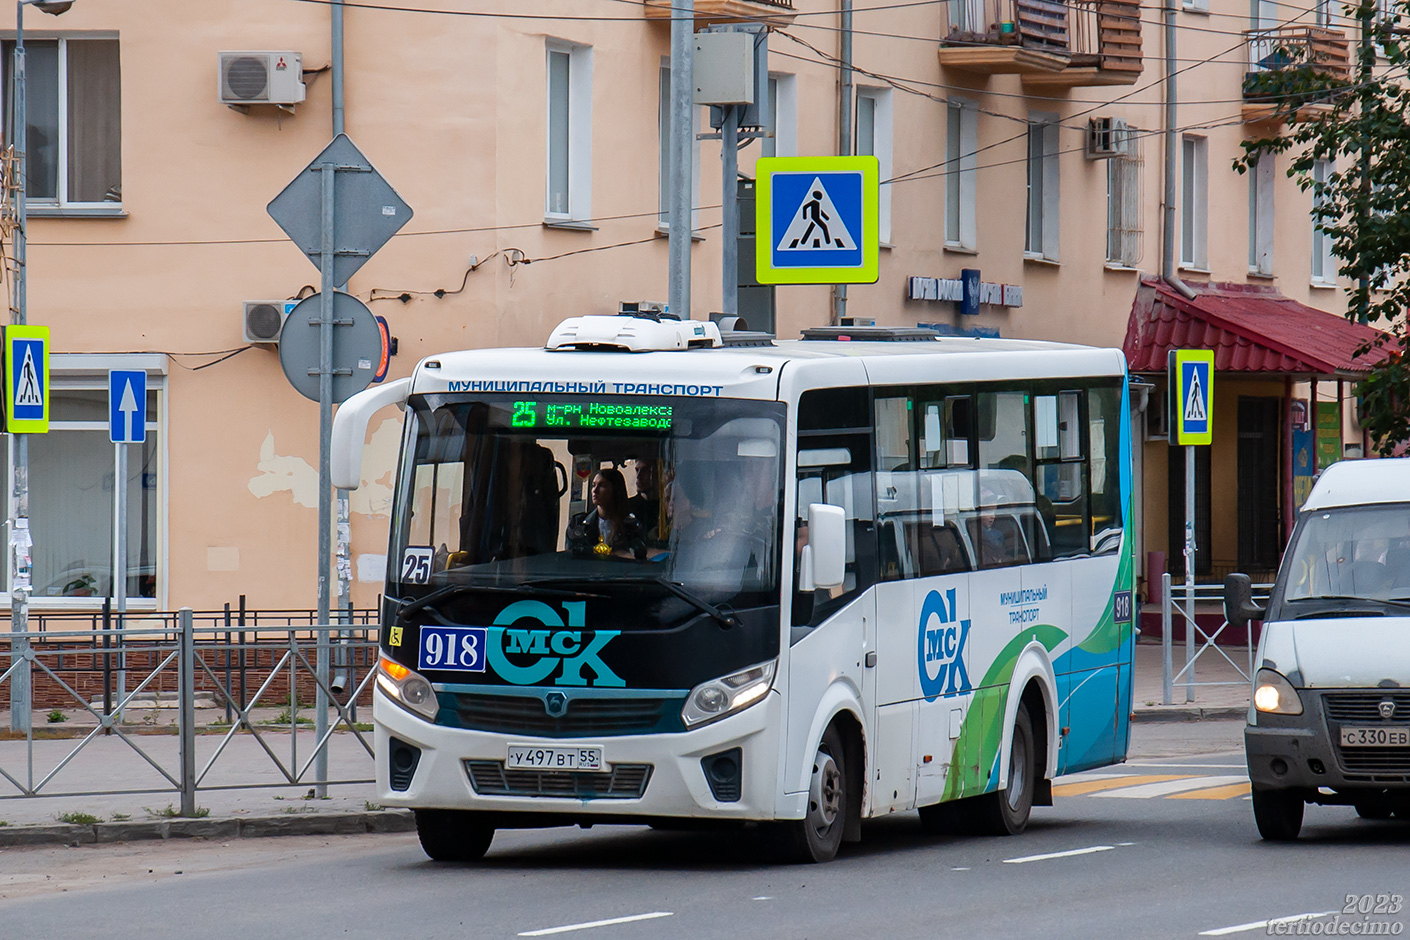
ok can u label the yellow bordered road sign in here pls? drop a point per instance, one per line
(1192, 395)
(27, 379)
(816, 220)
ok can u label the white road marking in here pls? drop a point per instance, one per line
(596, 923)
(1079, 777)
(1167, 787)
(764, 897)
(959, 869)
(1237, 764)
(1068, 854)
(1125, 843)
(1256, 925)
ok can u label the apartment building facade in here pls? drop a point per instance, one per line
(1016, 137)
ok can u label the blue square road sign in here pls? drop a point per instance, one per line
(127, 406)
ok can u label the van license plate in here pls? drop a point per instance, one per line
(524, 757)
(1374, 737)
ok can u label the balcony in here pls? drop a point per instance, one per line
(772, 12)
(1311, 50)
(1052, 44)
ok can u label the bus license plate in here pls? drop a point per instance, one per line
(523, 757)
(1375, 737)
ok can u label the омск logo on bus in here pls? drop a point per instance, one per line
(571, 648)
(940, 647)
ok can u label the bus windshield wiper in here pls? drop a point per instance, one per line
(454, 590)
(725, 620)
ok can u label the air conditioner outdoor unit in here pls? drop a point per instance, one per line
(264, 77)
(1107, 137)
(262, 320)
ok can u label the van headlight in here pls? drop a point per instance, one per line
(710, 701)
(407, 688)
(1273, 693)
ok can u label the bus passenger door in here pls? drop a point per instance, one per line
(890, 691)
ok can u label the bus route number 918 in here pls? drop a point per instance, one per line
(455, 649)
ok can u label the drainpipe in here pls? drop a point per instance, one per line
(337, 10)
(844, 133)
(1167, 259)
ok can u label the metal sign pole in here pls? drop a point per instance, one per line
(119, 590)
(682, 156)
(20, 704)
(327, 248)
(1189, 573)
(729, 201)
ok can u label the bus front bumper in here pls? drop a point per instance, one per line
(675, 783)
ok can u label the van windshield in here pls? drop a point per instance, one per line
(1353, 552)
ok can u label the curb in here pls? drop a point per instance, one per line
(313, 824)
(1173, 713)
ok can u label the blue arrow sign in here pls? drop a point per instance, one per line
(127, 407)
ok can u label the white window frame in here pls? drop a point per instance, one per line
(1041, 240)
(881, 146)
(1322, 256)
(89, 371)
(663, 122)
(961, 174)
(1260, 217)
(61, 204)
(1124, 177)
(783, 116)
(579, 131)
(1194, 202)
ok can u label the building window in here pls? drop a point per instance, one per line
(783, 117)
(1124, 228)
(1041, 239)
(1194, 203)
(71, 474)
(961, 170)
(1324, 265)
(663, 117)
(1260, 217)
(569, 183)
(74, 119)
(873, 130)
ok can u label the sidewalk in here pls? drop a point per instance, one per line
(1225, 701)
(257, 806)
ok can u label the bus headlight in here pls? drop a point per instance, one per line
(1272, 692)
(407, 688)
(717, 698)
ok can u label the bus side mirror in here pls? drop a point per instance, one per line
(350, 430)
(1239, 607)
(824, 559)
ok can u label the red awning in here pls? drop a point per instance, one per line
(1251, 328)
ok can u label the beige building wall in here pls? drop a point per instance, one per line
(452, 110)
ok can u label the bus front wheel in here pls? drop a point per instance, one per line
(1005, 812)
(449, 835)
(818, 835)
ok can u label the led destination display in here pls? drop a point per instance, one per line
(591, 414)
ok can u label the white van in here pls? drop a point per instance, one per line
(1330, 717)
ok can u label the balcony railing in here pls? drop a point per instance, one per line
(1316, 48)
(773, 12)
(1053, 42)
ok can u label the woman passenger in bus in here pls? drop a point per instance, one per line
(609, 529)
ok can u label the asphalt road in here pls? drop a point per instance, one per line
(1164, 846)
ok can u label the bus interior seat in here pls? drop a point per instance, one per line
(938, 549)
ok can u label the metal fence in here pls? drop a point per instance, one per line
(108, 675)
(1198, 642)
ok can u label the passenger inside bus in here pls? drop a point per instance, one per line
(609, 528)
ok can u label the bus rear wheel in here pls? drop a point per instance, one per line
(818, 835)
(449, 835)
(1005, 812)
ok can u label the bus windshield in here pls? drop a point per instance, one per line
(555, 494)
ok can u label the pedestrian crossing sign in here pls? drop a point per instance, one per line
(27, 379)
(1192, 395)
(816, 220)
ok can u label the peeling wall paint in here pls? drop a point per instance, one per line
(278, 474)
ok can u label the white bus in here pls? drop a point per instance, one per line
(649, 574)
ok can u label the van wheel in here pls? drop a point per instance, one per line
(1005, 812)
(449, 835)
(818, 835)
(1278, 814)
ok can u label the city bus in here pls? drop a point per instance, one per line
(652, 573)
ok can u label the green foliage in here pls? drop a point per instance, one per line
(79, 819)
(55, 716)
(1361, 128)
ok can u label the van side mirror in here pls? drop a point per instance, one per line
(823, 563)
(1239, 607)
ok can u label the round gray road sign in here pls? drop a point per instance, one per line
(357, 346)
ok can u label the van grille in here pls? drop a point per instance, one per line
(1365, 706)
(622, 782)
